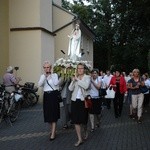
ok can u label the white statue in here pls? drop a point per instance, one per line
(74, 43)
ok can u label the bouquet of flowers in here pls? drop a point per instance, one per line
(67, 68)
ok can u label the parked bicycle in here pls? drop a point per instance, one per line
(29, 92)
(10, 104)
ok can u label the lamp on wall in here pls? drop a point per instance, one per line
(62, 51)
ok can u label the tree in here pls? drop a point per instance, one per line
(122, 31)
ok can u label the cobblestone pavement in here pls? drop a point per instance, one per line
(29, 132)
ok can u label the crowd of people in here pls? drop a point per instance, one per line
(127, 88)
(134, 89)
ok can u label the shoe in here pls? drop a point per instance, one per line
(65, 127)
(85, 135)
(139, 121)
(97, 125)
(92, 130)
(52, 138)
(78, 143)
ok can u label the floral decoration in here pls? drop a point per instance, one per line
(67, 68)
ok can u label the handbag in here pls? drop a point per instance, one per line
(143, 89)
(102, 92)
(58, 93)
(88, 102)
(110, 93)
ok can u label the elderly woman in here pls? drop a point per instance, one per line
(79, 114)
(10, 80)
(137, 96)
(49, 81)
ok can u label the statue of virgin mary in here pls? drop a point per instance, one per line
(74, 43)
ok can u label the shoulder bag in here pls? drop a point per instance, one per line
(58, 93)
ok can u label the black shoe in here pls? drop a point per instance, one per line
(139, 121)
(97, 125)
(65, 126)
(52, 139)
(92, 130)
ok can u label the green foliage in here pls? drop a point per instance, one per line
(122, 31)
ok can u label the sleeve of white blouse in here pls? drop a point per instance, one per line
(42, 80)
(71, 86)
(55, 79)
(85, 83)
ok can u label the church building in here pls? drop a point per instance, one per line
(32, 31)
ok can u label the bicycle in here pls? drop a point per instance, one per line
(30, 96)
(10, 104)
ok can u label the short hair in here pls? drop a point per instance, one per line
(146, 75)
(82, 64)
(9, 69)
(95, 70)
(136, 70)
(47, 62)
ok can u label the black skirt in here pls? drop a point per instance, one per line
(51, 108)
(96, 106)
(79, 114)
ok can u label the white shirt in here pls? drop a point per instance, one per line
(147, 83)
(94, 92)
(107, 79)
(52, 80)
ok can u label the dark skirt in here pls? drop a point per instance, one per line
(96, 106)
(79, 114)
(51, 107)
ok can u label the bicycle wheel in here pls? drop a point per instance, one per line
(14, 111)
(31, 99)
(34, 98)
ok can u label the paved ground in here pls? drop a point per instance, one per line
(30, 133)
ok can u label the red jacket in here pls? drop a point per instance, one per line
(123, 87)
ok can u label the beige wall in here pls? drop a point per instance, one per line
(63, 40)
(4, 36)
(29, 48)
(58, 2)
(60, 18)
(46, 14)
(25, 52)
(47, 48)
(24, 13)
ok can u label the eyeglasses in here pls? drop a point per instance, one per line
(46, 67)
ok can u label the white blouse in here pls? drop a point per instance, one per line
(94, 92)
(52, 80)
